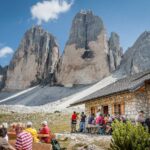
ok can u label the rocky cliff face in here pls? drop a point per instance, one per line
(3, 71)
(115, 51)
(34, 61)
(137, 58)
(85, 58)
(1, 77)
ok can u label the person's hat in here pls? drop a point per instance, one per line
(5, 125)
(44, 123)
(29, 123)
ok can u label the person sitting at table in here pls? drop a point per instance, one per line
(24, 139)
(5, 127)
(100, 120)
(4, 145)
(108, 129)
(32, 131)
(90, 122)
(106, 118)
(12, 127)
(100, 124)
(45, 130)
(91, 118)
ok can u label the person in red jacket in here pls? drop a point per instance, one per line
(73, 122)
(45, 130)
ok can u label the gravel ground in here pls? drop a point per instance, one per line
(40, 95)
(51, 99)
(85, 141)
(6, 94)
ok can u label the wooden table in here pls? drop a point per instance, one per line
(43, 135)
(13, 134)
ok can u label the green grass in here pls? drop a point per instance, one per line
(57, 122)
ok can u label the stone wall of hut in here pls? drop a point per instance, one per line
(123, 98)
(131, 102)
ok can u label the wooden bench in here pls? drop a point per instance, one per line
(12, 135)
(43, 135)
(36, 146)
(93, 129)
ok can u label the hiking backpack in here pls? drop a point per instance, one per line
(55, 144)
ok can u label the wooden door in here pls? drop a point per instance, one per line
(105, 110)
(93, 110)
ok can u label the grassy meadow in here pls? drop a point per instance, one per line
(57, 122)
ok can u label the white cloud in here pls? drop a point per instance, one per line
(49, 10)
(6, 51)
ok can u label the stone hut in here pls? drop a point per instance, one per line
(126, 97)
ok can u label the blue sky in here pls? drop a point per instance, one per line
(129, 18)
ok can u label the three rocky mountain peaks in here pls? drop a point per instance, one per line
(88, 57)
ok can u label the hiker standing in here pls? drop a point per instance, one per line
(140, 118)
(82, 122)
(73, 122)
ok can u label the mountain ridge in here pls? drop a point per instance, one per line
(34, 61)
(89, 55)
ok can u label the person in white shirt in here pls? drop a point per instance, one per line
(139, 118)
(5, 126)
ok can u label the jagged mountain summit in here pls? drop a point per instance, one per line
(115, 51)
(34, 61)
(137, 58)
(86, 56)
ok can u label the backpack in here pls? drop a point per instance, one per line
(55, 144)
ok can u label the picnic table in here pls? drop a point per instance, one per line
(12, 135)
(92, 128)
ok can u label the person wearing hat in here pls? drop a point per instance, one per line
(45, 130)
(32, 131)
